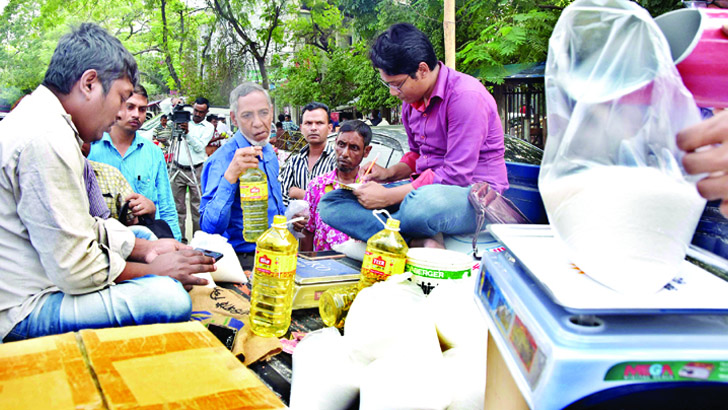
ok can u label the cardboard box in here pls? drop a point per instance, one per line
(46, 373)
(134, 367)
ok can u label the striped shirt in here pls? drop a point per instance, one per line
(97, 205)
(114, 187)
(296, 173)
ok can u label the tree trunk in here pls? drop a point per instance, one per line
(263, 71)
(448, 23)
(165, 47)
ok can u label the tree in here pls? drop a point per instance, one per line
(254, 25)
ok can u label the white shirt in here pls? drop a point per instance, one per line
(198, 136)
(222, 127)
(48, 240)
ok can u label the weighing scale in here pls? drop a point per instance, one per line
(570, 342)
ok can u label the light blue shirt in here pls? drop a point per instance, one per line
(220, 210)
(144, 167)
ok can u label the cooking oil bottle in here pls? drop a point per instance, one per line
(335, 302)
(275, 268)
(254, 201)
(386, 255)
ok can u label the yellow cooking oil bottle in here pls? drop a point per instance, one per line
(273, 275)
(254, 201)
(385, 255)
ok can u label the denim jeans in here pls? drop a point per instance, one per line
(423, 213)
(142, 232)
(141, 301)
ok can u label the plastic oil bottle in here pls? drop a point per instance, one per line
(254, 201)
(385, 255)
(271, 298)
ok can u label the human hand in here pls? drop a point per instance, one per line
(184, 127)
(182, 264)
(244, 159)
(161, 247)
(299, 225)
(372, 195)
(140, 205)
(377, 173)
(713, 135)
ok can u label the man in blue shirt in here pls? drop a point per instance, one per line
(220, 212)
(139, 160)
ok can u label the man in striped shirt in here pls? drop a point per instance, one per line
(316, 158)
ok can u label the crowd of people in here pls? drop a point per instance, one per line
(93, 225)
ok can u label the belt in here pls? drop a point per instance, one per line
(187, 168)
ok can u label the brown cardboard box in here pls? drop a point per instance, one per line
(46, 373)
(167, 366)
(501, 392)
(145, 367)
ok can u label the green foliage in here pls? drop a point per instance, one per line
(519, 33)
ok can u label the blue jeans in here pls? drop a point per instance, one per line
(141, 301)
(424, 212)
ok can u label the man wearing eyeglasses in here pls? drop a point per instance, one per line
(455, 138)
(198, 133)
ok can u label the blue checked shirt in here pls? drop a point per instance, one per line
(144, 167)
(220, 210)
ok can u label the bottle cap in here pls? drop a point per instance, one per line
(393, 224)
(279, 220)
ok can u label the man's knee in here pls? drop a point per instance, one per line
(327, 207)
(166, 300)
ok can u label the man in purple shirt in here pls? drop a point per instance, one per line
(455, 138)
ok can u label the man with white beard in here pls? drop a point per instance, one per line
(220, 212)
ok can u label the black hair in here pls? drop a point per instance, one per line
(164, 116)
(139, 89)
(401, 49)
(87, 47)
(360, 127)
(203, 100)
(212, 117)
(317, 106)
(281, 117)
(279, 124)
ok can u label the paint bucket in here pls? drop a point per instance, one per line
(431, 267)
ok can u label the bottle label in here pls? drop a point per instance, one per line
(253, 191)
(275, 264)
(381, 265)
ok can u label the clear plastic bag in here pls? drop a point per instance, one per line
(611, 177)
(294, 208)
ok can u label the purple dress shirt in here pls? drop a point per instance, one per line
(459, 135)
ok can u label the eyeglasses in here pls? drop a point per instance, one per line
(705, 3)
(398, 87)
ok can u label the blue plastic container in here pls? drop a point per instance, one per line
(523, 191)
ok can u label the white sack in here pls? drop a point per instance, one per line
(403, 381)
(391, 316)
(324, 378)
(228, 267)
(456, 314)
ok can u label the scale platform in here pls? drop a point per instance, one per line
(564, 350)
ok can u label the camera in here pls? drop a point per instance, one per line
(181, 114)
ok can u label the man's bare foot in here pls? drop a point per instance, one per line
(436, 241)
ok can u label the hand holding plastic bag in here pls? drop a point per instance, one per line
(611, 178)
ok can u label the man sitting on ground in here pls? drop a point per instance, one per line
(140, 161)
(57, 262)
(455, 139)
(220, 212)
(351, 146)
